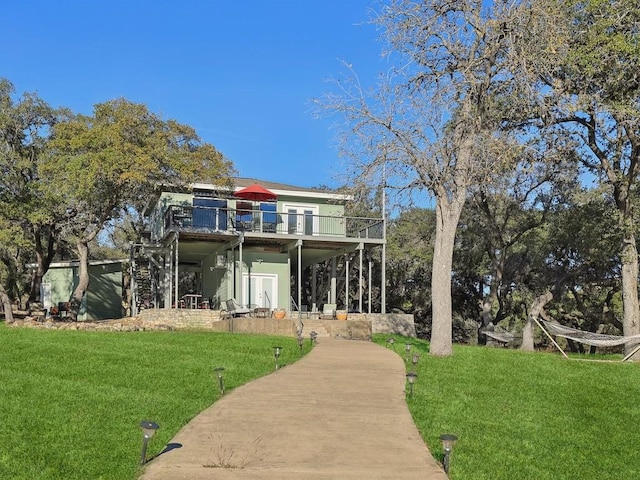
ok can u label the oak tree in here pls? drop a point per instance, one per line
(29, 209)
(111, 162)
(589, 92)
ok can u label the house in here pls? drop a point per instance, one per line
(102, 301)
(258, 243)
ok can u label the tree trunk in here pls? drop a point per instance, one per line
(6, 305)
(486, 315)
(43, 261)
(83, 279)
(536, 308)
(447, 216)
(631, 320)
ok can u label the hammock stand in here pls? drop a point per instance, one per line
(588, 338)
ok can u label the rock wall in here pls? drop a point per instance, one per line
(399, 323)
(358, 325)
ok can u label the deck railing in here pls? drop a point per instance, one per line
(214, 219)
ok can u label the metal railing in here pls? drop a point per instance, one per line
(215, 219)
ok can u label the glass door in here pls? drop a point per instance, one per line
(302, 220)
(260, 290)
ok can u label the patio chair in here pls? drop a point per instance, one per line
(234, 309)
(329, 310)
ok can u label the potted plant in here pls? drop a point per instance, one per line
(341, 314)
(279, 313)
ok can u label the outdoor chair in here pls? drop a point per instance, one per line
(329, 310)
(234, 309)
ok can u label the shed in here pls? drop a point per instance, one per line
(103, 299)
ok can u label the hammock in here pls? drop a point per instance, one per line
(589, 338)
(501, 336)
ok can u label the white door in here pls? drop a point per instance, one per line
(45, 295)
(260, 290)
(302, 219)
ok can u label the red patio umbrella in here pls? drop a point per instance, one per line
(256, 193)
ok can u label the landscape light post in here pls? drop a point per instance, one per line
(415, 358)
(407, 350)
(148, 430)
(300, 342)
(276, 353)
(219, 371)
(448, 441)
(313, 335)
(391, 342)
(411, 378)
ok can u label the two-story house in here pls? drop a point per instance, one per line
(253, 243)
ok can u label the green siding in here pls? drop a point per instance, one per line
(103, 299)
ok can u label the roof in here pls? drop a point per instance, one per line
(280, 188)
(246, 181)
(76, 263)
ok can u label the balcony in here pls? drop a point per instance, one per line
(220, 220)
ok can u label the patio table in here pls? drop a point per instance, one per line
(192, 300)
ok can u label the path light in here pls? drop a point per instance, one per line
(276, 353)
(448, 441)
(391, 342)
(407, 349)
(148, 430)
(313, 335)
(414, 359)
(300, 342)
(219, 371)
(411, 378)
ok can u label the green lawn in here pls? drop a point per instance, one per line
(528, 415)
(71, 402)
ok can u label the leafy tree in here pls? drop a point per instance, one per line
(583, 238)
(11, 239)
(588, 91)
(26, 202)
(410, 239)
(504, 212)
(111, 163)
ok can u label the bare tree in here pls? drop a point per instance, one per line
(432, 119)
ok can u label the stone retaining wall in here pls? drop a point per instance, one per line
(357, 325)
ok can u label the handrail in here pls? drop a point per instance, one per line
(268, 299)
(217, 219)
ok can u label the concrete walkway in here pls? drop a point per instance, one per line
(338, 413)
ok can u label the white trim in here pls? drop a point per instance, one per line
(282, 192)
(76, 263)
(273, 295)
(300, 212)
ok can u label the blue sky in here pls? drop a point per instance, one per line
(241, 72)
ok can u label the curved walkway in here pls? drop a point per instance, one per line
(338, 413)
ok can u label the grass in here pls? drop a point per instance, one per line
(527, 415)
(71, 402)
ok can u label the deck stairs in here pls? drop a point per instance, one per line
(315, 325)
